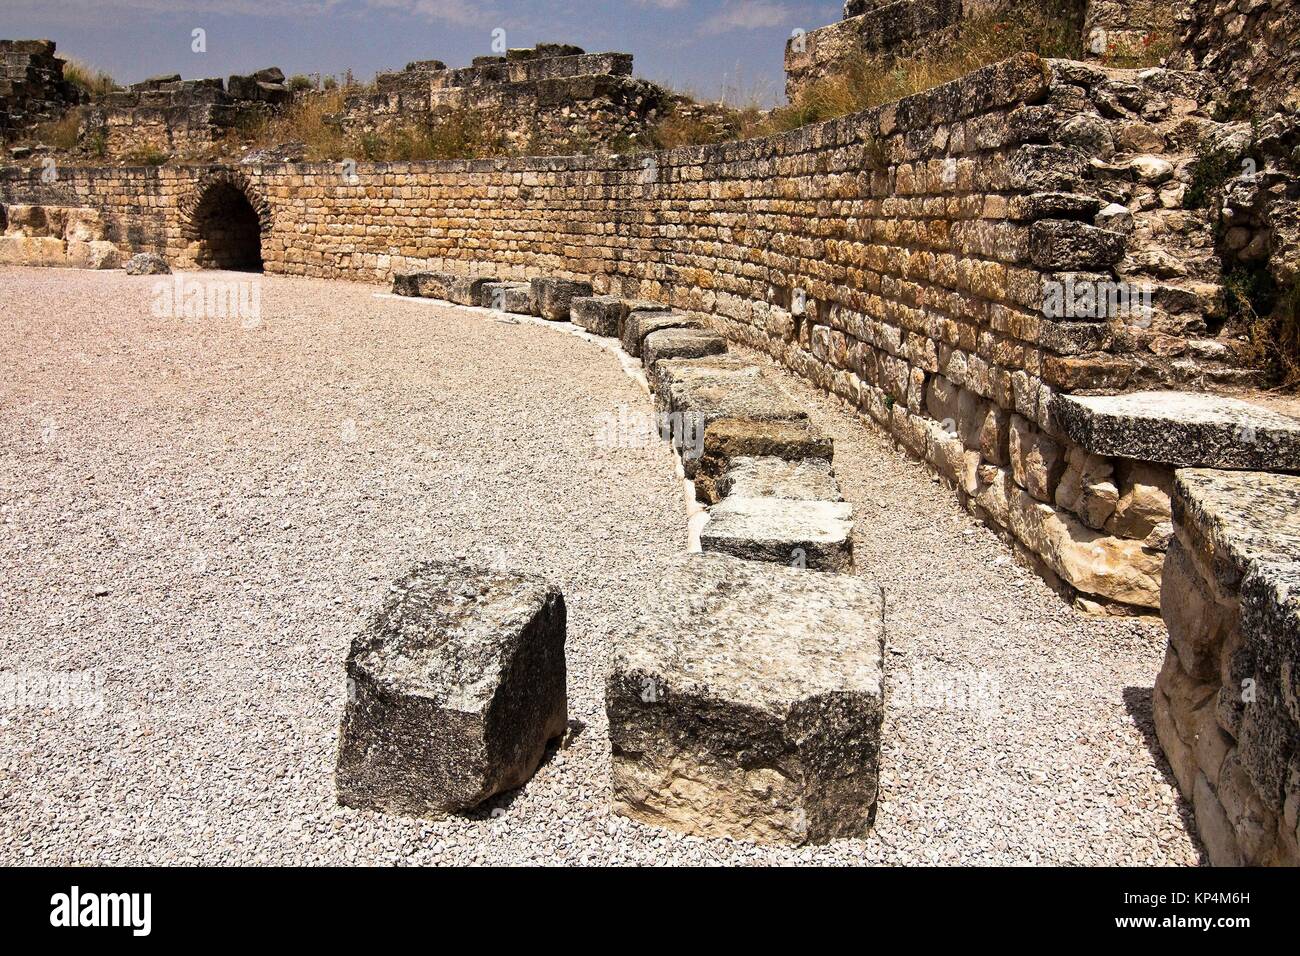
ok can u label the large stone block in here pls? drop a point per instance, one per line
(513, 297)
(641, 322)
(681, 343)
(455, 687)
(727, 439)
(798, 533)
(768, 476)
(1183, 429)
(747, 702)
(554, 297)
(605, 314)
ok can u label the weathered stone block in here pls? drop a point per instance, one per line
(147, 264)
(641, 322)
(681, 343)
(554, 297)
(727, 439)
(797, 533)
(748, 703)
(513, 297)
(1182, 429)
(455, 687)
(771, 477)
(1037, 462)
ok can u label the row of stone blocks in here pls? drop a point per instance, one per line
(748, 700)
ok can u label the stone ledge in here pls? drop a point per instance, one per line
(1182, 429)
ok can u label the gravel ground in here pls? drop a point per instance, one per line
(194, 513)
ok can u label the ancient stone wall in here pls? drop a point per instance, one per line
(32, 88)
(1119, 30)
(1251, 47)
(168, 116)
(538, 100)
(898, 258)
(868, 27)
(1227, 701)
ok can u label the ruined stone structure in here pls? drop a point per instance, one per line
(868, 27)
(32, 87)
(897, 258)
(1251, 47)
(546, 98)
(1227, 701)
(166, 115)
(1010, 274)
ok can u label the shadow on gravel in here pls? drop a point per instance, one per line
(1137, 701)
(500, 804)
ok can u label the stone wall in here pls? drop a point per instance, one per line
(868, 27)
(1251, 47)
(1227, 701)
(32, 88)
(896, 258)
(538, 100)
(1116, 30)
(168, 116)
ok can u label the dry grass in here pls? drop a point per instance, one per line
(63, 133)
(865, 81)
(312, 121)
(89, 78)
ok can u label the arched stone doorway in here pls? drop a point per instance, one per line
(225, 220)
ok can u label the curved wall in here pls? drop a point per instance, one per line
(895, 257)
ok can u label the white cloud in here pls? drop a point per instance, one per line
(747, 15)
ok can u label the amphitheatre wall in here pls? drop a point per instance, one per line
(895, 258)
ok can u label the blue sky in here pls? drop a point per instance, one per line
(710, 47)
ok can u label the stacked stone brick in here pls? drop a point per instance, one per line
(170, 116)
(32, 87)
(542, 99)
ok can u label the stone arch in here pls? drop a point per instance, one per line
(226, 218)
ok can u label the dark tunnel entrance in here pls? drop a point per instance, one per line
(229, 231)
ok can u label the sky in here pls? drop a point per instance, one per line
(711, 48)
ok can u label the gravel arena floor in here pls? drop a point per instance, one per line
(195, 514)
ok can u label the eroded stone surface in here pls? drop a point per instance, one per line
(1182, 429)
(772, 477)
(455, 687)
(513, 297)
(554, 297)
(681, 343)
(748, 703)
(147, 264)
(730, 438)
(797, 533)
(605, 314)
(1227, 700)
(641, 322)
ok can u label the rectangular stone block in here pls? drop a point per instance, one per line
(747, 703)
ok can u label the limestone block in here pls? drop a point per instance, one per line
(747, 702)
(1183, 429)
(1144, 500)
(768, 476)
(456, 685)
(728, 439)
(797, 533)
(147, 264)
(1117, 569)
(555, 296)
(512, 297)
(1037, 461)
(1198, 624)
(1086, 488)
(681, 343)
(641, 322)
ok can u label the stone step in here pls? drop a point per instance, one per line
(641, 322)
(606, 314)
(729, 439)
(747, 702)
(513, 297)
(767, 476)
(681, 343)
(1184, 429)
(817, 535)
